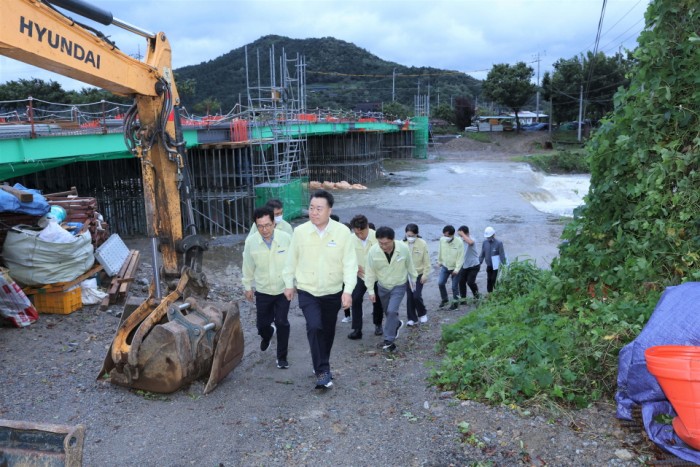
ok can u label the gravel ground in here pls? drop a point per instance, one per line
(380, 411)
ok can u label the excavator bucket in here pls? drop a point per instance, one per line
(160, 350)
(228, 350)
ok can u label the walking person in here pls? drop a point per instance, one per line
(364, 239)
(470, 265)
(450, 253)
(347, 317)
(493, 253)
(264, 256)
(389, 263)
(323, 263)
(415, 308)
(280, 224)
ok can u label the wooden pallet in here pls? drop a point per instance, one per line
(119, 286)
(63, 286)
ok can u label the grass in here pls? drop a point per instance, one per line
(558, 162)
(481, 136)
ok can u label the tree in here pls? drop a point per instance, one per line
(510, 86)
(601, 77)
(21, 89)
(394, 110)
(92, 95)
(464, 112)
(207, 106)
(445, 112)
(638, 230)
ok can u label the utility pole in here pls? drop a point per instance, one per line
(537, 108)
(428, 102)
(580, 103)
(393, 85)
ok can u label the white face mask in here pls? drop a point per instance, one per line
(278, 219)
(411, 239)
(449, 239)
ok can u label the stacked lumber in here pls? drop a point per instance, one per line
(83, 210)
(119, 286)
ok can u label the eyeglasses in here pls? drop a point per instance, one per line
(265, 226)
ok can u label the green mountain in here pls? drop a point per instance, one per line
(339, 75)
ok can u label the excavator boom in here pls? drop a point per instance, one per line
(171, 338)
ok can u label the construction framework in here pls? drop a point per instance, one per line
(277, 130)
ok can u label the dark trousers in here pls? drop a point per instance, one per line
(321, 315)
(275, 308)
(443, 275)
(358, 296)
(491, 275)
(467, 276)
(415, 308)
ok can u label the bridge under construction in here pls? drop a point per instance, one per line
(270, 148)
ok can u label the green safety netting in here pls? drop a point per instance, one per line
(293, 194)
(420, 124)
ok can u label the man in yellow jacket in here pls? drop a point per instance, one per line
(322, 261)
(390, 264)
(365, 239)
(264, 256)
(280, 224)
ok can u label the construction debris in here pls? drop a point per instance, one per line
(342, 185)
(119, 286)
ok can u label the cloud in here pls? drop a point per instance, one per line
(464, 35)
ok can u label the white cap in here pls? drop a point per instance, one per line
(489, 232)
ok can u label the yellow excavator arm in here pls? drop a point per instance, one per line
(172, 339)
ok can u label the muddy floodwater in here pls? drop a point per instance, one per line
(527, 209)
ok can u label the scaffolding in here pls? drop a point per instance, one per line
(422, 126)
(277, 130)
(355, 157)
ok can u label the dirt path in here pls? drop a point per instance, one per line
(381, 410)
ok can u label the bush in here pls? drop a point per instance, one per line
(520, 345)
(560, 162)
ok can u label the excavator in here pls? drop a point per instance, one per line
(175, 336)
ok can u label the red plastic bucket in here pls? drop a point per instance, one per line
(677, 369)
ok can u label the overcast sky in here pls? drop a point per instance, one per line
(467, 35)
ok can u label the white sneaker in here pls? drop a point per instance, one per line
(347, 319)
(410, 322)
(423, 319)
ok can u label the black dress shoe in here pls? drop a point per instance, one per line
(443, 303)
(378, 331)
(355, 334)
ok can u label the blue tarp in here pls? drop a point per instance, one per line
(675, 321)
(37, 207)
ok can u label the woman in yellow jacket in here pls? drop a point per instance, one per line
(415, 308)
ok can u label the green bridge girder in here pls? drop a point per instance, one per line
(21, 156)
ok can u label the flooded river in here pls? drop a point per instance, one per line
(527, 209)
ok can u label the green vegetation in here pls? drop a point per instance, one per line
(482, 137)
(559, 162)
(555, 335)
(602, 76)
(510, 86)
(527, 342)
(51, 91)
(338, 75)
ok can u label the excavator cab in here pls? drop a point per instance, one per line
(174, 336)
